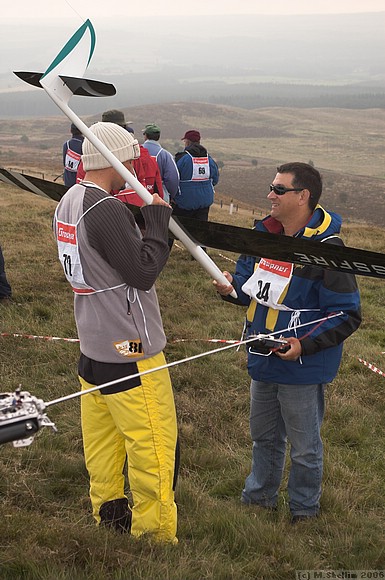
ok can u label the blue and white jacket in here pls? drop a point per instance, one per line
(282, 296)
(167, 167)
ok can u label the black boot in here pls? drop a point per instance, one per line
(116, 514)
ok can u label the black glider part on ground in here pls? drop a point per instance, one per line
(33, 184)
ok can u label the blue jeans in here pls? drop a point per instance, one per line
(278, 413)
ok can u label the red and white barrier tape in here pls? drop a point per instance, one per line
(219, 254)
(226, 258)
(56, 338)
(372, 367)
(33, 336)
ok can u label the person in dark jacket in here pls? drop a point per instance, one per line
(5, 287)
(287, 388)
(72, 152)
(198, 176)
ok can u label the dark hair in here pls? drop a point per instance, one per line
(306, 176)
(154, 136)
(75, 130)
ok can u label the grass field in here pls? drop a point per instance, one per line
(46, 528)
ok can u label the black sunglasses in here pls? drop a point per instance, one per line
(281, 189)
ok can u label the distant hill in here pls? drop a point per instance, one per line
(347, 146)
(165, 86)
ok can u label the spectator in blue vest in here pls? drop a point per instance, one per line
(198, 176)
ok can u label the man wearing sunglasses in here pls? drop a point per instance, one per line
(287, 385)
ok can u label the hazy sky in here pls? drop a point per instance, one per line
(82, 9)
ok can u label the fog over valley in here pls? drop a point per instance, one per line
(247, 61)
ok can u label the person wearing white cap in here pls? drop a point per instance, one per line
(112, 270)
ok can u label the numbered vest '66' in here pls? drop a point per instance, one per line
(200, 168)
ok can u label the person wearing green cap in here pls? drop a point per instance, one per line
(167, 166)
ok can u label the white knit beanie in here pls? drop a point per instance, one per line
(117, 139)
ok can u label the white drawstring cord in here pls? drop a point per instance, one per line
(294, 322)
(137, 299)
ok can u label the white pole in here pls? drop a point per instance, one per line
(199, 254)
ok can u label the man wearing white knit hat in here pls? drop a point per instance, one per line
(112, 270)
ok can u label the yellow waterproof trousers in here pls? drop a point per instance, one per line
(138, 424)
